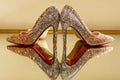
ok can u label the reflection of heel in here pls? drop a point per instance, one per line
(50, 17)
(69, 18)
(69, 71)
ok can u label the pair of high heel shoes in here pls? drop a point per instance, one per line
(68, 18)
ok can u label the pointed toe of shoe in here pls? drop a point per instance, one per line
(100, 39)
(109, 39)
(8, 39)
(12, 39)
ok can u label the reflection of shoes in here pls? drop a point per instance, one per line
(49, 18)
(41, 56)
(67, 71)
(76, 52)
(69, 18)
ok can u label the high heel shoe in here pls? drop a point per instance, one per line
(69, 18)
(50, 17)
(85, 53)
(40, 55)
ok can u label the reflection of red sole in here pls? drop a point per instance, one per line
(50, 62)
(43, 56)
(78, 55)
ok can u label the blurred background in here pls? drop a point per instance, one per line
(97, 14)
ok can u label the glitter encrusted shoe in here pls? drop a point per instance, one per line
(49, 18)
(69, 18)
(80, 54)
(41, 56)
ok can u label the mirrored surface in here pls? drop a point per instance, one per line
(29, 62)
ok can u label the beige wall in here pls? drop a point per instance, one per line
(22, 14)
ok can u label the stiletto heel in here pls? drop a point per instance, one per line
(50, 17)
(69, 18)
(64, 46)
